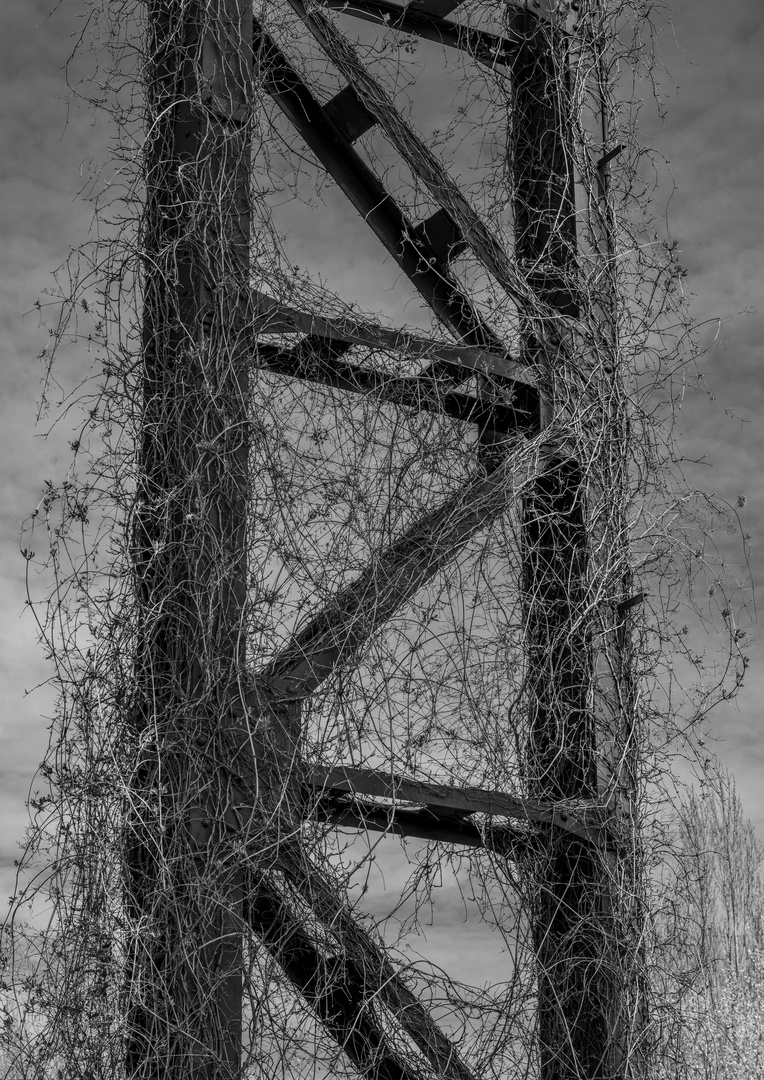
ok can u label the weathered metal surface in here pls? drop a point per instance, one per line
(464, 223)
(344, 973)
(272, 317)
(420, 823)
(583, 821)
(427, 273)
(318, 361)
(580, 943)
(348, 113)
(334, 635)
(443, 235)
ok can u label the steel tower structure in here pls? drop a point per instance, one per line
(204, 328)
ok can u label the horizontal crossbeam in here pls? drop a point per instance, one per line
(446, 805)
(429, 275)
(272, 317)
(419, 823)
(344, 974)
(318, 361)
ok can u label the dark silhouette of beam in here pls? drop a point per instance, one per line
(333, 635)
(344, 974)
(183, 988)
(428, 273)
(318, 361)
(269, 316)
(447, 803)
(578, 940)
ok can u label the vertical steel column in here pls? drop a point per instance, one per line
(184, 889)
(576, 1015)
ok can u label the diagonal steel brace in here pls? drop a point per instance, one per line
(336, 633)
(344, 974)
(428, 274)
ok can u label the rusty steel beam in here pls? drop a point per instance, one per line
(270, 316)
(336, 992)
(430, 275)
(446, 802)
(420, 822)
(323, 981)
(335, 634)
(318, 361)
(183, 994)
(344, 974)
(456, 224)
(583, 943)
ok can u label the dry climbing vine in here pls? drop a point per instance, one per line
(281, 549)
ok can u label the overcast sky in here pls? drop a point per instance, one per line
(712, 137)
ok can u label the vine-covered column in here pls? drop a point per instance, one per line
(183, 983)
(579, 992)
